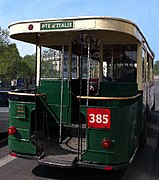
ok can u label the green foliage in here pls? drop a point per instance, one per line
(9, 59)
(48, 69)
(28, 64)
(156, 68)
(4, 37)
(12, 65)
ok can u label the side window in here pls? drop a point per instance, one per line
(52, 60)
(148, 69)
(151, 68)
(143, 65)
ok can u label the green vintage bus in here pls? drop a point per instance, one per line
(93, 93)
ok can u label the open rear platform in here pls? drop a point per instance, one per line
(60, 160)
(63, 154)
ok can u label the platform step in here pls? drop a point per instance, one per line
(67, 160)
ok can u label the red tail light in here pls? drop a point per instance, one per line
(106, 143)
(108, 168)
(13, 154)
(11, 130)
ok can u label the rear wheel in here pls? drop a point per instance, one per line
(153, 107)
(143, 136)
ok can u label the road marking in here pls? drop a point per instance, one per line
(5, 160)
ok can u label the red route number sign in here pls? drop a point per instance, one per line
(98, 117)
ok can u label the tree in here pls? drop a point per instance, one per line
(4, 37)
(9, 60)
(11, 64)
(28, 65)
(9, 57)
(156, 68)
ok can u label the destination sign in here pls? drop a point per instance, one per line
(56, 25)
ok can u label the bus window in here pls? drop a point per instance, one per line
(75, 71)
(119, 62)
(149, 68)
(85, 61)
(143, 65)
(86, 53)
(52, 61)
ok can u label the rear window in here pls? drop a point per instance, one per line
(4, 99)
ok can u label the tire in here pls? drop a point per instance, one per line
(153, 107)
(143, 136)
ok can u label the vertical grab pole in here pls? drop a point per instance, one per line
(61, 107)
(38, 67)
(80, 93)
(89, 67)
(37, 76)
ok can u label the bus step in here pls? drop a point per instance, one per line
(67, 160)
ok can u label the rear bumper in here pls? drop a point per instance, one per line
(85, 165)
(103, 166)
(74, 164)
(25, 156)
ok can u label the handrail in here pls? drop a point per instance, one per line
(25, 94)
(108, 98)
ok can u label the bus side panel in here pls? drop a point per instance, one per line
(117, 89)
(123, 134)
(20, 117)
(52, 89)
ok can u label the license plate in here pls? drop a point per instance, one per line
(98, 118)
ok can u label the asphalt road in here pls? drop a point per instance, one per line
(145, 165)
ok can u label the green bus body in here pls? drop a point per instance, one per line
(21, 141)
(93, 93)
(126, 121)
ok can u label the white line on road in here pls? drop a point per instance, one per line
(6, 160)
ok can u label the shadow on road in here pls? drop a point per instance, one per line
(75, 173)
(146, 162)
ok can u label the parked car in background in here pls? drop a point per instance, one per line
(4, 111)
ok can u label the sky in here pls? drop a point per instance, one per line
(144, 13)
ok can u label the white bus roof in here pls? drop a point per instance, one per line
(28, 31)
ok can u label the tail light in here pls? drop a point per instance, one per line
(106, 143)
(108, 168)
(11, 130)
(13, 154)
